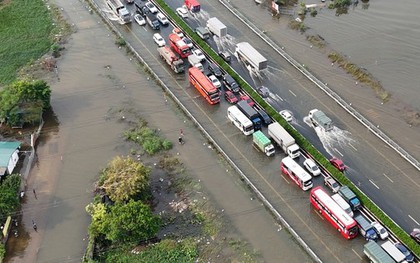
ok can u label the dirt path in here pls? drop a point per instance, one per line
(96, 77)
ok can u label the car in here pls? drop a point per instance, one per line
(380, 230)
(182, 12)
(162, 18)
(247, 99)
(408, 256)
(159, 39)
(188, 42)
(139, 20)
(285, 114)
(225, 55)
(263, 91)
(215, 70)
(215, 81)
(332, 184)
(178, 32)
(415, 234)
(311, 166)
(151, 7)
(199, 54)
(230, 97)
(337, 163)
(230, 83)
(265, 117)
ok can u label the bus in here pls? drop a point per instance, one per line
(203, 85)
(240, 120)
(296, 173)
(179, 45)
(342, 221)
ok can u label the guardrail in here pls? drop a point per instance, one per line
(347, 106)
(211, 140)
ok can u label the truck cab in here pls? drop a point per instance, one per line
(366, 228)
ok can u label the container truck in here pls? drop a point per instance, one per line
(250, 113)
(195, 62)
(283, 139)
(319, 119)
(376, 254)
(365, 228)
(216, 27)
(350, 197)
(120, 10)
(343, 204)
(394, 252)
(262, 143)
(250, 56)
(177, 64)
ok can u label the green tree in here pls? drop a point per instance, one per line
(9, 199)
(131, 222)
(124, 178)
(24, 101)
(98, 212)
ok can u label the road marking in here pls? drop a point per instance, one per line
(338, 152)
(292, 93)
(353, 147)
(414, 220)
(373, 183)
(279, 97)
(388, 178)
(287, 181)
(319, 214)
(357, 254)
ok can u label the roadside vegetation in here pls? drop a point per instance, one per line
(9, 202)
(155, 213)
(303, 143)
(25, 29)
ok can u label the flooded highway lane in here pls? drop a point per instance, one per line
(82, 139)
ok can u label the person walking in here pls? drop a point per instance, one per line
(33, 190)
(34, 226)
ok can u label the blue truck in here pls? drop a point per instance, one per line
(250, 113)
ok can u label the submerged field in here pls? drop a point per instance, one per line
(25, 30)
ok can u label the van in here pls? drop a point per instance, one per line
(393, 251)
(366, 228)
(202, 32)
(343, 204)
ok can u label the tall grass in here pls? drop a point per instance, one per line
(25, 30)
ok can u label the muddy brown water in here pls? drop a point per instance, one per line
(96, 79)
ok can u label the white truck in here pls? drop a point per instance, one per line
(262, 143)
(319, 119)
(376, 254)
(195, 62)
(120, 10)
(216, 27)
(394, 252)
(283, 139)
(171, 59)
(250, 56)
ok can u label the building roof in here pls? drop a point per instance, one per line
(6, 151)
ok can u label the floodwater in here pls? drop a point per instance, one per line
(96, 80)
(381, 36)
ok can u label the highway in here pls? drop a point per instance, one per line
(375, 168)
(367, 158)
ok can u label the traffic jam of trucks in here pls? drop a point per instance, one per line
(342, 208)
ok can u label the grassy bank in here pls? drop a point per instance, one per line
(25, 35)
